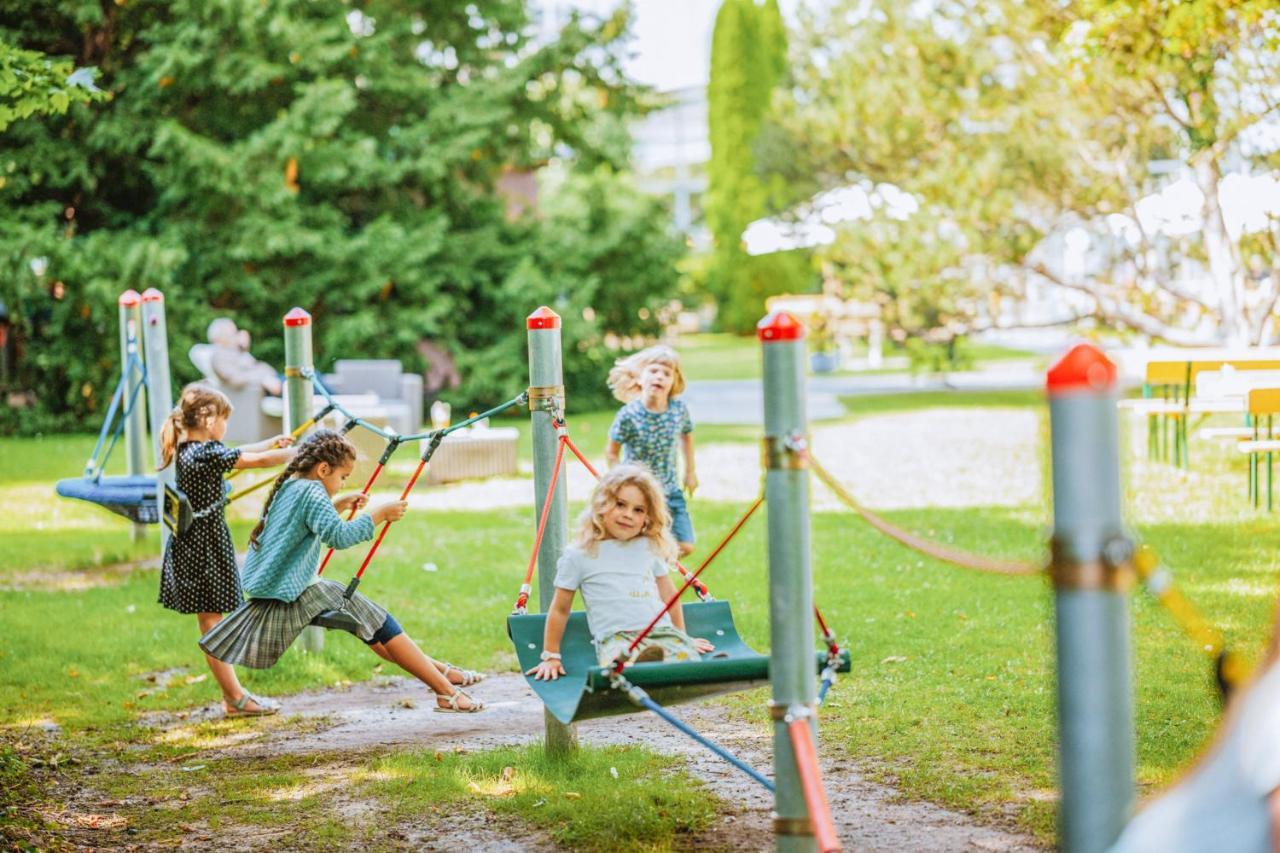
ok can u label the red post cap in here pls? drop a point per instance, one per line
(1083, 367)
(779, 326)
(297, 317)
(152, 295)
(544, 318)
(129, 298)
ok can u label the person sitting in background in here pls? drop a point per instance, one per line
(232, 363)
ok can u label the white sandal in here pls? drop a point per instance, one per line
(452, 702)
(469, 676)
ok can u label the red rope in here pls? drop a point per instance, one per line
(523, 599)
(368, 558)
(689, 582)
(824, 829)
(578, 453)
(351, 514)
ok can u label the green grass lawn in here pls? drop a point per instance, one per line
(951, 695)
(709, 356)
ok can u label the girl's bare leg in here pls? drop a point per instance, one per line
(223, 673)
(405, 653)
(380, 651)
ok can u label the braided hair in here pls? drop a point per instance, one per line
(323, 445)
(196, 406)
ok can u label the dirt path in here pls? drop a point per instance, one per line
(395, 713)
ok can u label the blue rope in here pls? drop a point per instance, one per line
(106, 423)
(827, 681)
(128, 410)
(641, 698)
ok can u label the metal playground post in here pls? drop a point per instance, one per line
(546, 408)
(786, 459)
(135, 416)
(1091, 571)
(155, 339)
(298, 394)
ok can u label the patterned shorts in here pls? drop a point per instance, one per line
(676, 645)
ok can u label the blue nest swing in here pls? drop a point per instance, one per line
(131, 496)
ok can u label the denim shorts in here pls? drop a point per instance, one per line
(389, 631)
(681, 523)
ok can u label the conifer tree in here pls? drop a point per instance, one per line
(340, 156)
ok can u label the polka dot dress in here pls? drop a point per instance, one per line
(199, 573)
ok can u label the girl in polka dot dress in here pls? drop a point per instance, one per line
(648, 428)
(199, 573)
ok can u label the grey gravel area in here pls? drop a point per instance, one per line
(928, 458)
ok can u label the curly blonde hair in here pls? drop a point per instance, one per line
(624, 378)
(591, 530)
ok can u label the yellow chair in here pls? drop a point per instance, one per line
(1262, 403)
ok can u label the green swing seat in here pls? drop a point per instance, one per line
(585, 691)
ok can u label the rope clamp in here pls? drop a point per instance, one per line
(392, 444)
(785, 452)
(296, 373)
(348, 426)
(1114, 572)
(619, 682)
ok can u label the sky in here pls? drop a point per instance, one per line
(671, 39)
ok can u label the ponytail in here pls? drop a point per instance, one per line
(323, 445)
(196, 405)
(169, 436)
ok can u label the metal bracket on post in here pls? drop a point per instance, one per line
(792, 826)
(779, 712)
(787, 452)
(1114, 572)
(540, 396)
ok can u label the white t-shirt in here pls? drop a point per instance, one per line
(1222, 804)
(618, 584)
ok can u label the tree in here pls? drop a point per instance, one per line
(748, 59)
(260, 155)
(1019, 126)
(34, 84)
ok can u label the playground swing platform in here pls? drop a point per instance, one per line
(131, 496)
(586, 690)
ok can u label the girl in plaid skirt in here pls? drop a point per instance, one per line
(285, 593)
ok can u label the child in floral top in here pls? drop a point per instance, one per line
(648, 428)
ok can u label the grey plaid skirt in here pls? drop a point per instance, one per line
(257, 633)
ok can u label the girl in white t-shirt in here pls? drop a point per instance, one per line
(619, 562)
(1230, 800)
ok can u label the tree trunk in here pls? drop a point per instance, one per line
(1224, 266)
